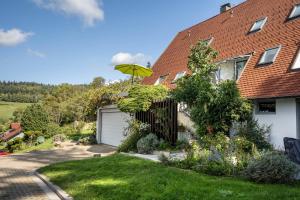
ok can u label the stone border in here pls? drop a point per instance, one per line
(57, 190)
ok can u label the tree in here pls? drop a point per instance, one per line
(213, 107)
(34, 118)
(98, 82)
(140, 97)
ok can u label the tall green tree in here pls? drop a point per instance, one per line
(213, 107)
(34, 118)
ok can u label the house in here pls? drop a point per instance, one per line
(14, 131)
(258, 43)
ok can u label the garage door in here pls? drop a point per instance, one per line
(113, 124)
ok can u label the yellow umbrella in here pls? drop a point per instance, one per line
(134, 70)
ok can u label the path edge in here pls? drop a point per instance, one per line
(56, 189)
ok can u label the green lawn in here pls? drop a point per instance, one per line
(48, 144)
(7, 109)
(123, 177)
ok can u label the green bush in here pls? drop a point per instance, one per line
(255, 133)
(15, 144)
(215, 168)
(213, 107)
(34, 118)
(31, 136)
(271, 167)
(140, 97)
(52, 129)
(40, 140)
(134, 131)
(88, 140)
(68, 130)
(219, 141)
(148, 144)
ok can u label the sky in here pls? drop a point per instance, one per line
(73, 41)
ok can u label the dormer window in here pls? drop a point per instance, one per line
(269, 56)
(295, 12)
(258, 25)
(296, 64)
(161, 80)
(178, 76)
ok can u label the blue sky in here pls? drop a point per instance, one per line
(73, 41)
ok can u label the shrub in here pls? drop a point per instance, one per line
(40, 140)
(88, 140)
(52, 129)
(140, 97)
(134, 131)
(213, 107)
(31, 136)
(68, 130)
(59, 138)
(255, 133)
(271, 167)
(215, 168)
(34, 118)
(15, 144)
(147, 144)
(220, 142)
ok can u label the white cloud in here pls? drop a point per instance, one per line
(13, 37)
(88, 10)
(36, 53)
(127, 58)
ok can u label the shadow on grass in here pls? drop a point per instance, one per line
(123, 177)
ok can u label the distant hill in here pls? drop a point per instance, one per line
(24, 92)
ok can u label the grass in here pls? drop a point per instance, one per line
(7, 109)
(48, 144)
(123, 177)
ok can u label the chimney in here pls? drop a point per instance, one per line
(225, 7)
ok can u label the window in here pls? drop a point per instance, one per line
(258, 25)
(296, 12)
(269, 56)
(179, 75)
(160, 80)
(239, 67)
(296, 64)
(266, 106)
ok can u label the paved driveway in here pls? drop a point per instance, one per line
(17, 181)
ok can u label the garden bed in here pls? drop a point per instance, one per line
(124, 177)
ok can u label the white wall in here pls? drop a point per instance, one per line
(283, 123)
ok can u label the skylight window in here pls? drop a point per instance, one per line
(160, 80)
(179, 75)
(296, 12)
(269, 56)
(296, 64)
(258, 25)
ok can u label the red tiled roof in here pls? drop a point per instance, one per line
(230, 32)
(13, 132)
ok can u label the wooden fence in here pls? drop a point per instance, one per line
(162, 116)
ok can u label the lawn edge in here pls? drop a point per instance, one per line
(56, 189)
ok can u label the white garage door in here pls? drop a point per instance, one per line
(113, 124)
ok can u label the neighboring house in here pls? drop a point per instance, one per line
(258, 43)
(15, 131)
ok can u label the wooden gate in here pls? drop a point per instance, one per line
(162, 116)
